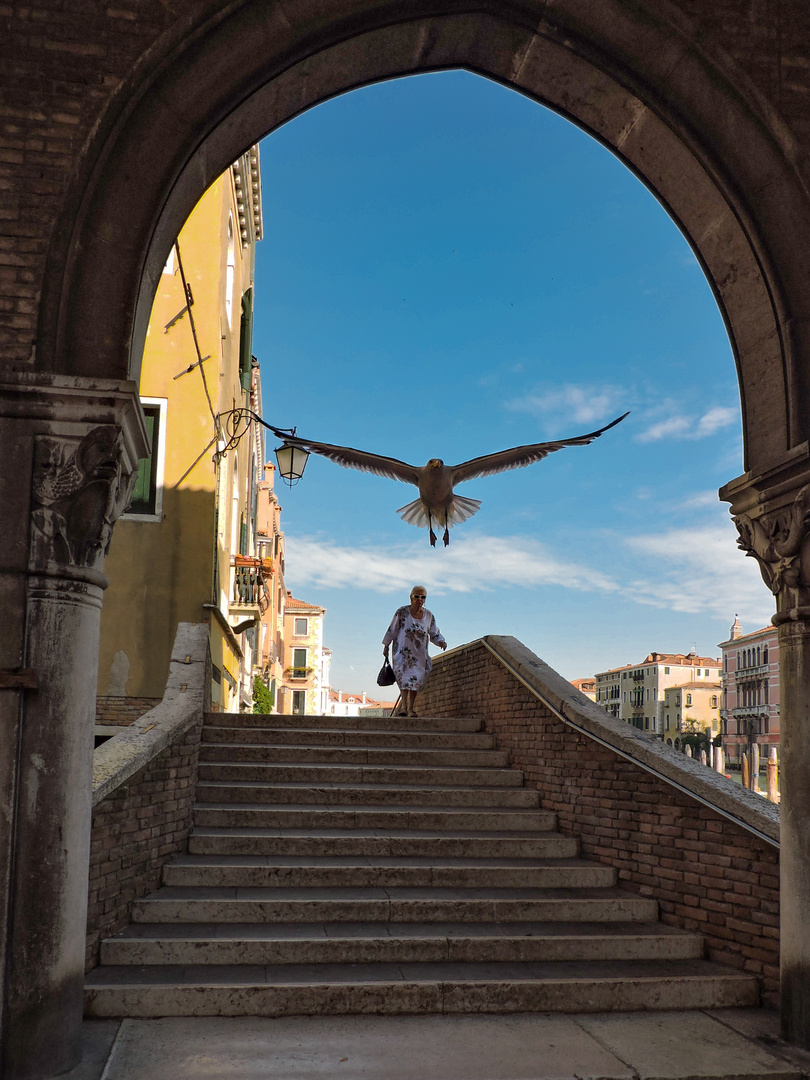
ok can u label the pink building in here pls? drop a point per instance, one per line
(750, 710)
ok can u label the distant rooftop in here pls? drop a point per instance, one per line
(292, 603)
(673, 659)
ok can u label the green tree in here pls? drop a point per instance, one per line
(262, 697)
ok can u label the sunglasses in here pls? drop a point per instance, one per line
(419, 596)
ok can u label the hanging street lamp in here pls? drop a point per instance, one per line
(291, 457)
(292, 461)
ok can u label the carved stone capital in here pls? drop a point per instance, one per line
(80, 487)
(78, 442)
(772, 513)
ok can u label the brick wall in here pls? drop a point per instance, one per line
(122, 710)
(63, 64)
(707, 873)
(136, 829)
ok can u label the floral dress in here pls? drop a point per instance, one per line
(409, 655)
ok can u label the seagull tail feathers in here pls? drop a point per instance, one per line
(462, 508)
(414, 513)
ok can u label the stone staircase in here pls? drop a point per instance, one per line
(358, 865)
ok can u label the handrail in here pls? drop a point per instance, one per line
(184, 702)
(744, 808)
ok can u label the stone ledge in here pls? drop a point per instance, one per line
(744, 807)
(183, 704)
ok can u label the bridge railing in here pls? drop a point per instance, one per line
(144, 779)
(704, 847)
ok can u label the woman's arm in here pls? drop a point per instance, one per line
(393, 629)
(435, 634)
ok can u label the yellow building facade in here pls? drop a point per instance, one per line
(690, 709)
(186, 551)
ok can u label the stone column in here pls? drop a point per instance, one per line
(71, 450)
(772, 515)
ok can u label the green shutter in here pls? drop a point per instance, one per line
(246, 339)
(143, 494)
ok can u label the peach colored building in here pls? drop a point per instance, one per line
(271, 547)
(304, 678)
(586, 687)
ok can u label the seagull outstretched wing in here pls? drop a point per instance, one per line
(519, 456)
(350, 458)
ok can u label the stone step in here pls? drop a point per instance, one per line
(441, 819)
(419, 740)
(354, 755)
(249, 772)
(362, 943)
(324, 989)
(347, 723)
(211, 841)
(196, 871)
(251, 905)
(233, 791)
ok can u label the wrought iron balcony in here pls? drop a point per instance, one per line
(249, 591)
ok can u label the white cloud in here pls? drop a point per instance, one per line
(695, 571)
(701, 571)
(679, 426)
(715, 420)
(579, 404)
(676, 427)
(700, 500)
(470, 563)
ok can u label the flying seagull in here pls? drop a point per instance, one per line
(438, 503)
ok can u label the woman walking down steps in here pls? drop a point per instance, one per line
(411, 628)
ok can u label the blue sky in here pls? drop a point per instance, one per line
(449, 269)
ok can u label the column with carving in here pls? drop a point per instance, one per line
(772, 515)
(76, 448)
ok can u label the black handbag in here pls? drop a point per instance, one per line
(386, 676)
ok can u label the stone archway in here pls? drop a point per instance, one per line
(684, 120)
(677, 109)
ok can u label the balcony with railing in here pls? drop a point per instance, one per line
(752, 672)
(751, 710)
(250, 578)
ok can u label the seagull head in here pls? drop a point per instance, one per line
(435, 463)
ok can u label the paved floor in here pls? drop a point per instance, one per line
(728, 1044)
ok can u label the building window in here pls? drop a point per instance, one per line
(300, 627)
(666, 671)
(688, 699)
(299, 702)
(146, 503)
(714, 701)
(299, 669)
